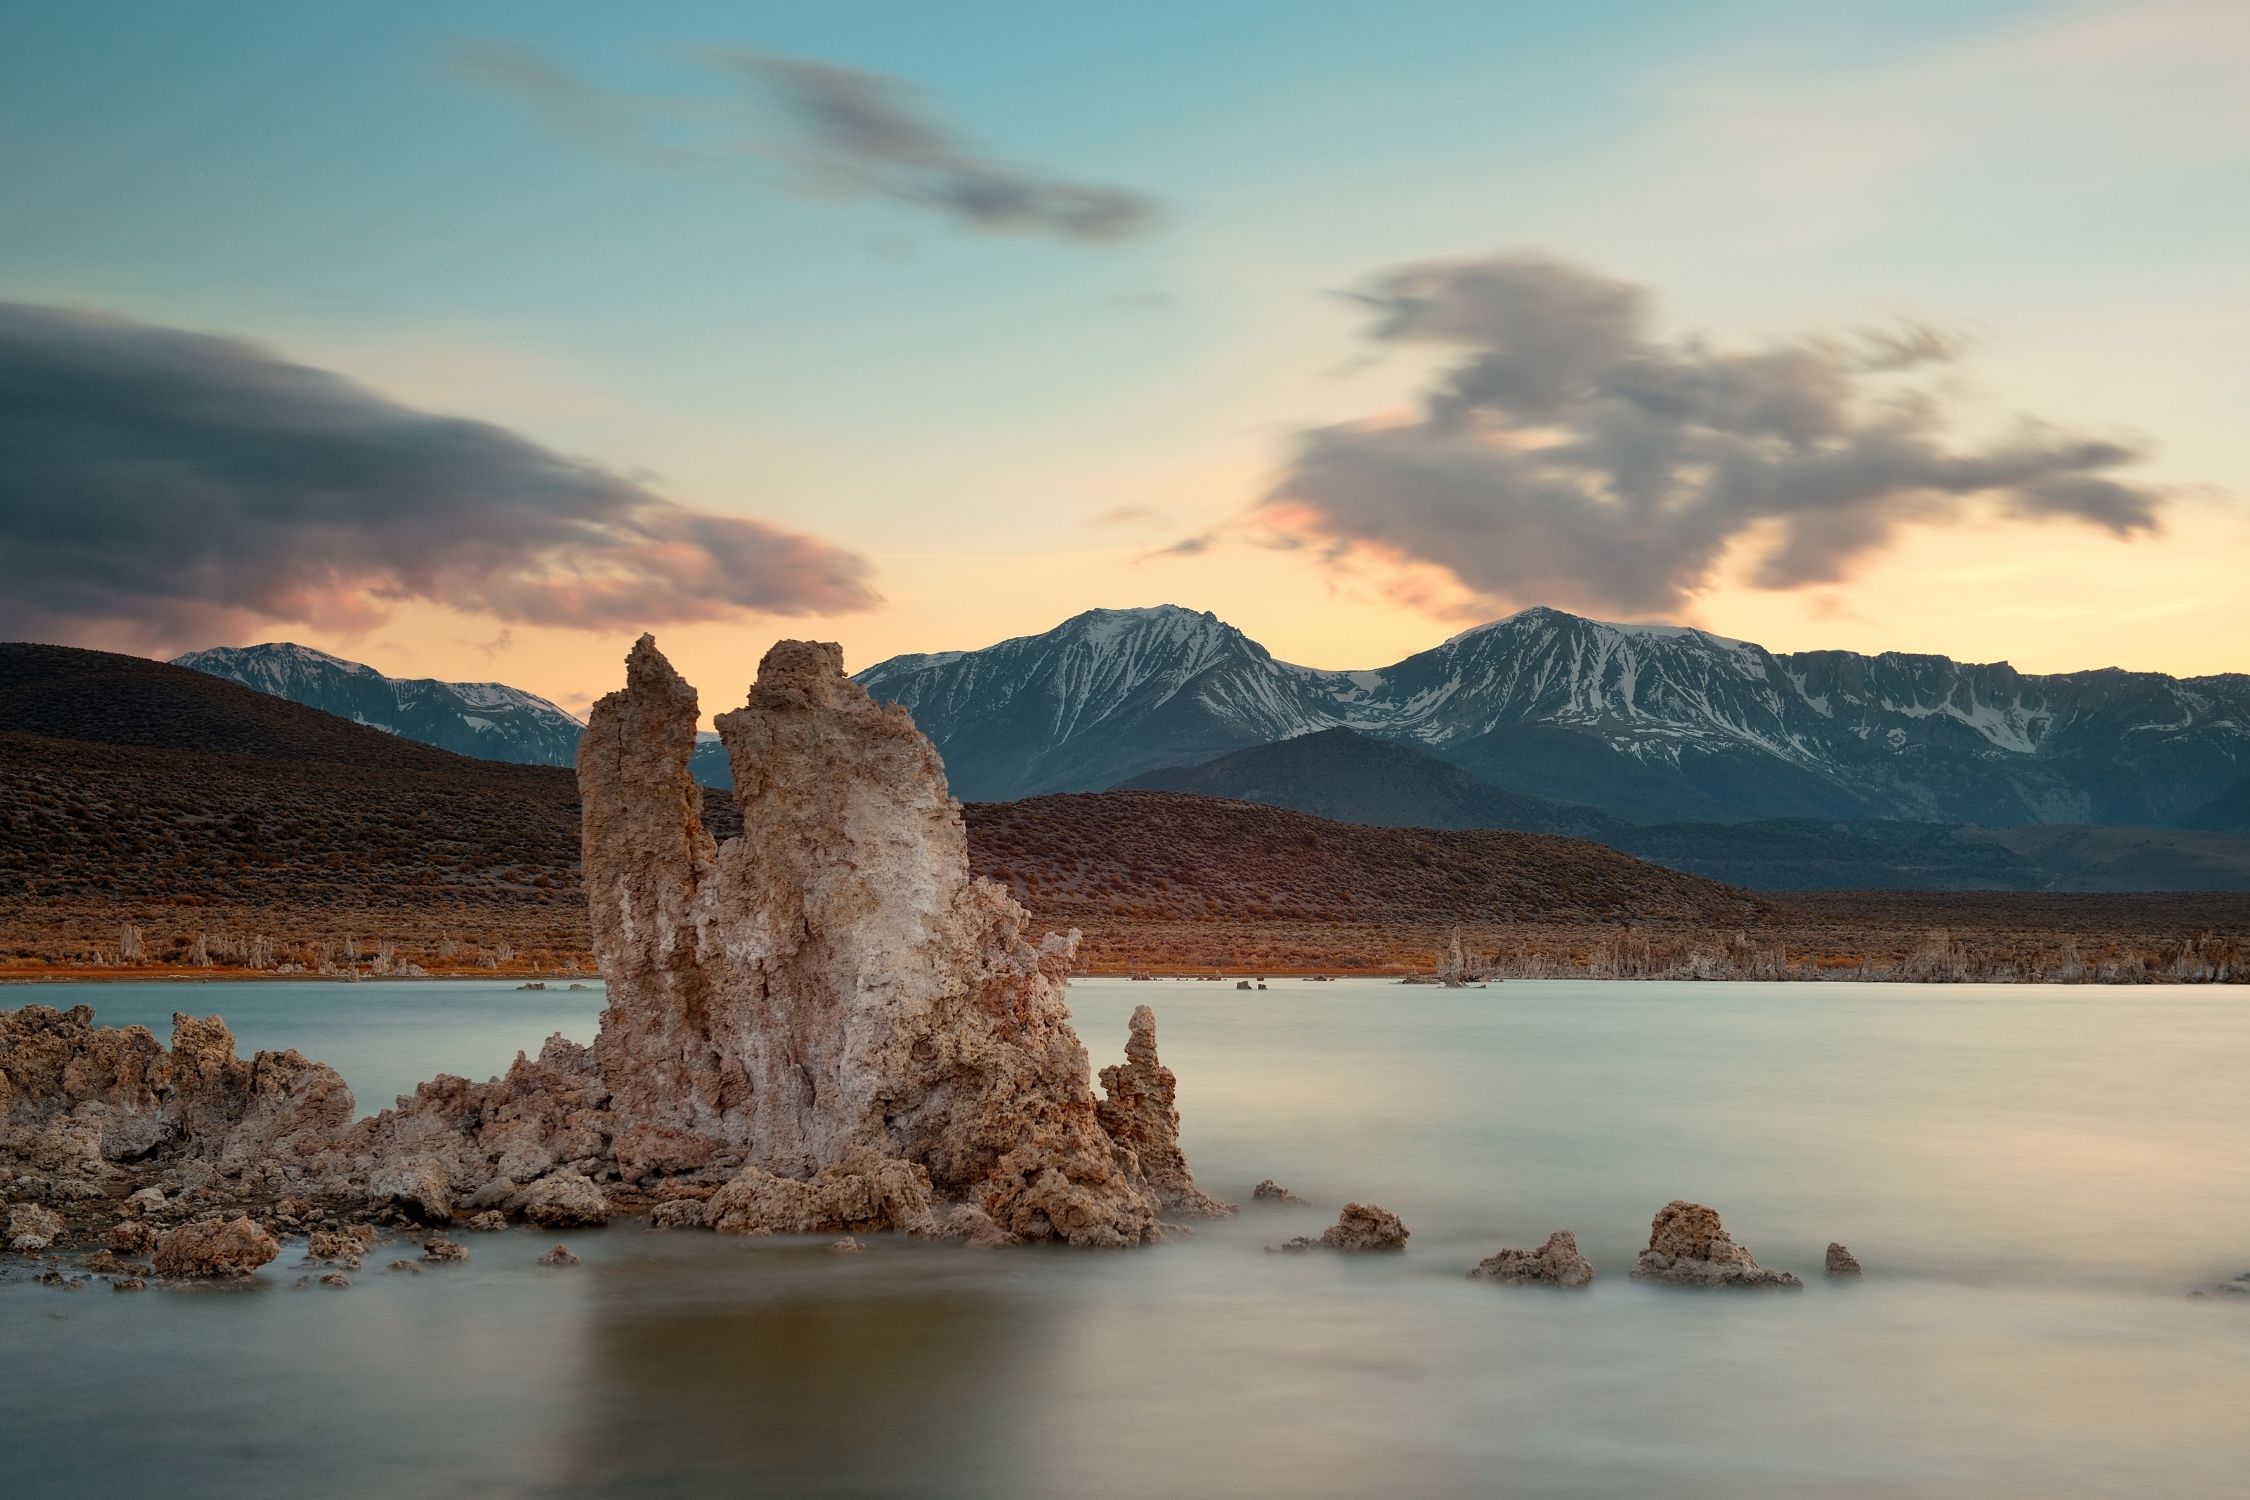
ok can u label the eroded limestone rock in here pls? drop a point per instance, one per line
(1841, 1262)
(561, 1255)
(214, 1248)
(566, 1200)
(1140, 1112)
(1556, 1263)
(31, 1228)
(1687, 1246)
(1270, 1191)
(1361, 1226)
(832, 989)
(84, 1108)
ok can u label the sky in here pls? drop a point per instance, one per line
(470, 340)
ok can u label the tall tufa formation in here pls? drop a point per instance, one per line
(1140, 1112)
(831, 994)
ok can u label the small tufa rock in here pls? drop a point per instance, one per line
(559, 1256)
(1841, 1262)
(127, 1284)
(1687, 1246)
(438, 1251)
(1556, 1263)
(566, 1200)
(407, 1266)
(132, 1237)
(416, 1187)
(487, 1221)
(845, 1246)
(210, 1248)
(1270, 1191)
(1139, 1110)
(1361, 1226)
(342, 1247)
(336, 1279)
(32, 1229)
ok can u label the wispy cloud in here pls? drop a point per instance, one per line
(180, 485)
(1571, 453)
(846, 131)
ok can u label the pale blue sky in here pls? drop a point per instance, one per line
(2069, 185)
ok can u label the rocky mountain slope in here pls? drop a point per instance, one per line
(488, 720)
(1651, 723)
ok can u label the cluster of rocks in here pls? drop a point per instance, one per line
(1361, 1226)
(822, 1025)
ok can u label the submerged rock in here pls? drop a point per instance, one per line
(211, 1248)
(1140, 1113)
(1270, 1191)
(559, 1256)
(440, 1251)
(1841, 1262)
(1556, 1263)
(1687, 1246)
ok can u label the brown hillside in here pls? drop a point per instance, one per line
(133, 791)
(1174, 856)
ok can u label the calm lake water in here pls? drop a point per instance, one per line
(2034, 1178)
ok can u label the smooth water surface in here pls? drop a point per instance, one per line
(2034, 1178)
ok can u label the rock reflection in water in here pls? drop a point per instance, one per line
(810, 1380)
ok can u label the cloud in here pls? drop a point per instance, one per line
(180, 485)
(1567, 452)
(863, 130)
(850, 132)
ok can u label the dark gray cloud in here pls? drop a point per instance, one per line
(178, 484)
(849, 131)
(1570, 454)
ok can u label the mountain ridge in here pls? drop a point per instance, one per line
(1649, 722)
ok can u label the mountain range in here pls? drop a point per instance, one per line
(1809, 770)
(486, 720)
(1649, 723)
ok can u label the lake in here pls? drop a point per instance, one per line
(2033, 1177)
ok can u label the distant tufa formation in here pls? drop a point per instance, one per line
(825, 1024)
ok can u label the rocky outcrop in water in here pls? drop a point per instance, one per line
(1841, 1262)
(1361, 1226)
(214, 1248)
(86, 1110)
(823, 1024)
(1556, 1263)
(1139, 1111)
(1687, 1246)
(1270, 1191)
(832, 991)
